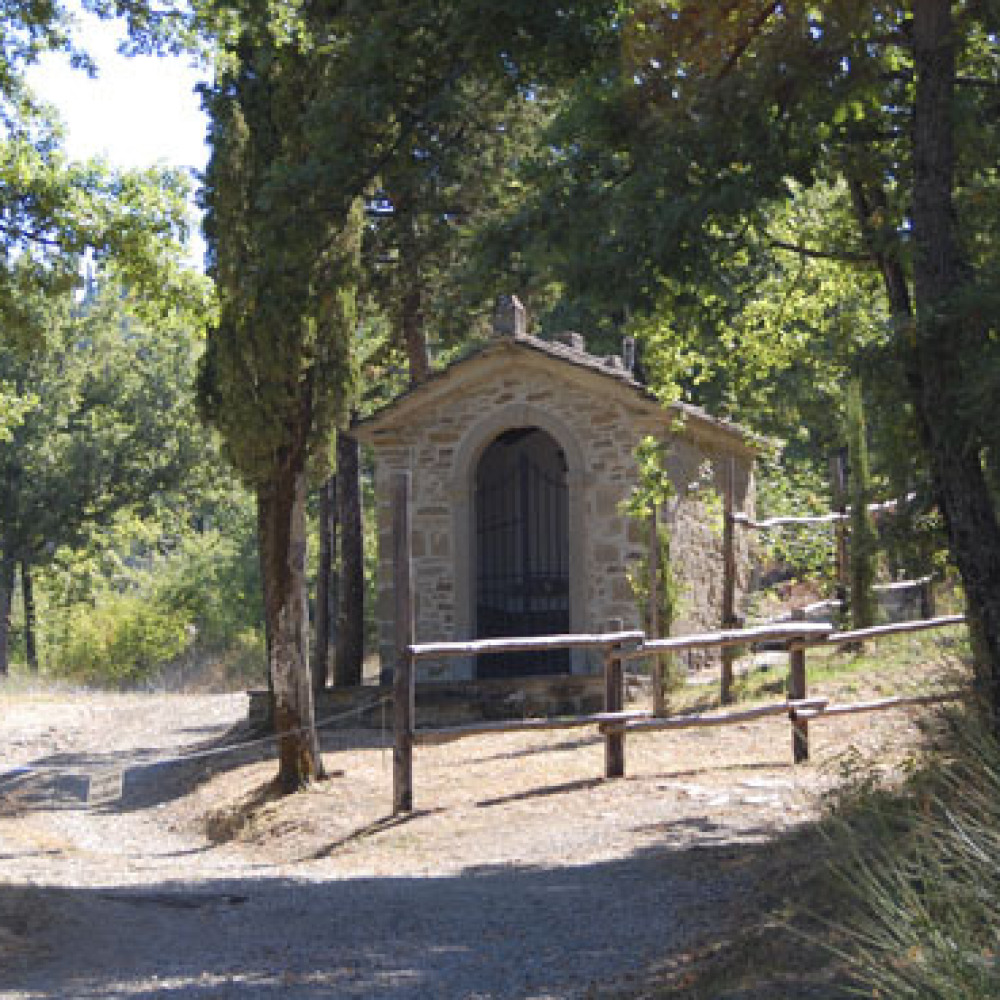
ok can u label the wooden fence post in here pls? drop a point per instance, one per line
(928, 606)
(403, 675)
(614, 701)
(797, 692)
(728, 582)
(659, 706)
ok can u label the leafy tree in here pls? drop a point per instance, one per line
(107, 426)
(666, 170)
(310, 106)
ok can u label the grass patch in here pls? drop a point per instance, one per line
(896, 665)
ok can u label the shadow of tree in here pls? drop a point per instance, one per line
(664, 921)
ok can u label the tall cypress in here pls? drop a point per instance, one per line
(277, 372)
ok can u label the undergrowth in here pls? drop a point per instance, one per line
(920, 868)
(895, 895)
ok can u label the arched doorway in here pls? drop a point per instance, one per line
(522, 549)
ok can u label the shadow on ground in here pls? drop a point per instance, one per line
(653, 924)
(143, 777)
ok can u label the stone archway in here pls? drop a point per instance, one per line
(521, 549)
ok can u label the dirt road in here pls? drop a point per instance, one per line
(521, 873)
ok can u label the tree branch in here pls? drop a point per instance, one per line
(33, 236)
(753, 30)
(850, 258)
(977, 81)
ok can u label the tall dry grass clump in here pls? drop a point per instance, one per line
(922, 870)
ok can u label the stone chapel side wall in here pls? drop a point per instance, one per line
(695, 525)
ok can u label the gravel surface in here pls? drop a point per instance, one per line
(521, 874)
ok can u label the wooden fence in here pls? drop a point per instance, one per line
(838, 518)
(617, 647)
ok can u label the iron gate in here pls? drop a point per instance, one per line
(522, 548)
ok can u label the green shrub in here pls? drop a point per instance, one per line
(786, 487)
(125, 639)
(214, 582)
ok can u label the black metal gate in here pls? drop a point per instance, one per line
(522, 550)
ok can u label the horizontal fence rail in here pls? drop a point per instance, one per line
(880, 631)
(829, 711)
(804, 520)
(527, 644)
(816, 631)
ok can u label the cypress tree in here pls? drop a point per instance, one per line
(277, 373)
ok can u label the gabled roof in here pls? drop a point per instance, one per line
(568, 356)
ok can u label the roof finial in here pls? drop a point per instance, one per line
(509, 318)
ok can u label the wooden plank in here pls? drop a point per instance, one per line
(403, 674)
(736, 637)
(614, 702)
(527, 644)
(831, 517)
(878, 705)
(883, 588)
(702, 720)
(895, 628)
(790, 521)
(797, 692)
(451, 734)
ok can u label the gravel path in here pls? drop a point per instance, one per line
(520, 875)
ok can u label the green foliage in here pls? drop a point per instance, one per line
(213, 580)
(124, 609)
(106, 424)
(130, 225)
(652, 492)
(790, 487)
(668, 595)
(277, 374)
(123, 640)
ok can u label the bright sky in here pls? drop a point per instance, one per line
(139, 111)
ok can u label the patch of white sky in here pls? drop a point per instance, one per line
(140, 111)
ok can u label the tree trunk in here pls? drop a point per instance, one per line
(414, 339)
(351, 624)
(862, 539)
(326, 583)
(28, 592)
(7, 578)
(947, 333)
(282, 514)
(261, 528)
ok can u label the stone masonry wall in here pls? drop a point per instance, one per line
(599, 434)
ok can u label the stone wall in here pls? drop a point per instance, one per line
(598, 431)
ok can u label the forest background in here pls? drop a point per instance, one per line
(774, 199)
